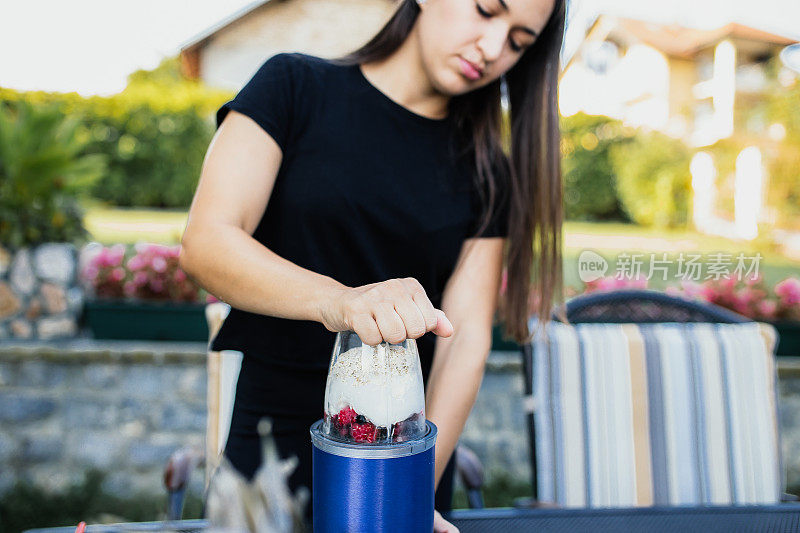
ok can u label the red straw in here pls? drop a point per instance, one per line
(81, 527)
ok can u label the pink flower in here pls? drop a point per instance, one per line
(767, 308)
(103, 258)
(118, 274)
(788, 291)
(129, 289)
(674, 291)
(692, 289)
(135, 263)
(140, 278)
(91, 272)
(159, 264)
(741, 307)
(708, 292)
(157, 285)
(116, 254)
(609, 283)
(152, 272)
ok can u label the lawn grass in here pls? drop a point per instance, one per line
(612, 239)
(110, 225)
(773, 272)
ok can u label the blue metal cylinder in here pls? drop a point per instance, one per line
(373, 488)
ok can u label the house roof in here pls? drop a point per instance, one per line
(204, 35)
(677, 40)
(681, 41)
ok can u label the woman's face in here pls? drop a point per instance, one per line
(466, 44)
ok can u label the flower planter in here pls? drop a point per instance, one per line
(144, 320)
(788, 336)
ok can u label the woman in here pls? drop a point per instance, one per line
(372, 193)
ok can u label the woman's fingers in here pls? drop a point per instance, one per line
(367, 330)
(391, 311)
(412, 317)
(426, 308)
(444, 328)
(440, 525)
(389, 322)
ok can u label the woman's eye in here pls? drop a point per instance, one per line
(481, 11)
(515, 46)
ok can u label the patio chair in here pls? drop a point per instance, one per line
(222, 372)
(643, 398)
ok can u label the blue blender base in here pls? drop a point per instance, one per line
(373, 488)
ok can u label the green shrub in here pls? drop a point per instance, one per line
(589, 192)
(783, 158)
(156, 157)
(500, 492)
(43, 172)
(154, 134)
(653, 180)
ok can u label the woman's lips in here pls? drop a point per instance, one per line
(468, 70)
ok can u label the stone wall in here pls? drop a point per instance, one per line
(496, 429)
(39, 292)
(119, 407)
(124, 407)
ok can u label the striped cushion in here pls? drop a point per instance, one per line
(656, 414)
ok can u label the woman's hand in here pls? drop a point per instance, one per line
(391, 311)
(440, 525)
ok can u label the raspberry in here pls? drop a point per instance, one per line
(398, 432)
(347, 416)
(363, 432)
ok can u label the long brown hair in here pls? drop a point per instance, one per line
(527, 165)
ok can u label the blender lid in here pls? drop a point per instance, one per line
(373, 451)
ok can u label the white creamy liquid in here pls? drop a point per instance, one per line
(380, 382)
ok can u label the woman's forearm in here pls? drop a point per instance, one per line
(230, 264)
(453, 385)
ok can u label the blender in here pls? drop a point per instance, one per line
(373, 452)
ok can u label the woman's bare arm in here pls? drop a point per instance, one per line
(470, 299)
(218, 250)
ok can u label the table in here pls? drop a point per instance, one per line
(684, 519)
(762, 518)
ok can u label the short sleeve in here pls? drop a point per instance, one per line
(268, 98)
(498, 222)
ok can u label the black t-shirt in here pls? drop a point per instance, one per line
(367, 190)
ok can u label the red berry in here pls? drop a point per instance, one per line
(363, 432)
(347, 416)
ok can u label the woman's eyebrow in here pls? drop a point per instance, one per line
(524, 28)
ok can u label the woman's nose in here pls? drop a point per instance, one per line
(492, 41)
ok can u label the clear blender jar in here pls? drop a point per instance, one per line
(373, 451)
(374, 394)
